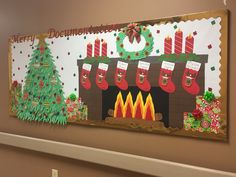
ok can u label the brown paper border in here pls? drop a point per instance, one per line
(223, 14)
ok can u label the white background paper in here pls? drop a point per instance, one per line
(76, 46)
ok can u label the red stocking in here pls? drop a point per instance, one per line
(120, 75)
(165, 78)
(189, 77)
(84, 76)
(101, 76)
(142, 76)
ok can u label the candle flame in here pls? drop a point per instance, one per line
(190, 36)
(178, 31)
(168, 37)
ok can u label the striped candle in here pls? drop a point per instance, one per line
(97, 48)
(168, 45)
(104, 49)
(178, 41)
(189, 44)
(89, 50)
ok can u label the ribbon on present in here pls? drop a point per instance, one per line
(133, 31)
(215, 126)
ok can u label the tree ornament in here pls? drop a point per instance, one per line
(58, 99)
(36, 65)
(41, 84)
(134, 31)
(25, 96)
(53, 80)
(46, 104)
(34, 103)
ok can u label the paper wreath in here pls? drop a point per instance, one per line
(137, 54)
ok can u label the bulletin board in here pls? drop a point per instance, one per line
(165, 76)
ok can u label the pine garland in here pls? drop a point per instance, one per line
(100, 59)
(178, 58)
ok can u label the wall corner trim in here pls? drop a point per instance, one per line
(135, 163)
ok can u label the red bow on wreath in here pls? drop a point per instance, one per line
(133, 30)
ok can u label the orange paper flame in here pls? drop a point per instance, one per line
(119, 105)
(149, 110)
(137, 109)
(129, 106)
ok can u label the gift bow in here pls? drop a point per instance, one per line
(133, 30)
(209, 96)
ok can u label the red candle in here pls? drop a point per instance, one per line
(189, 44)
(178, 42)
(104, 49)
(168, 45)
(97, 48)
(89, 50)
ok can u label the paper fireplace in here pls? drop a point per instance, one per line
(136, 104)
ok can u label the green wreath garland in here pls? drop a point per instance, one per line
(137, 54)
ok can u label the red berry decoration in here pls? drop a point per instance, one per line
(41, 84)
(197, 114)
(58, 99)
(15, 84)
(25, 96)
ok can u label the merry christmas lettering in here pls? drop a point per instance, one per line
(23, 38)
(53, 33)
(78, 31)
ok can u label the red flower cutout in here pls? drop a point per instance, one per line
(15, 84)
(197, 114)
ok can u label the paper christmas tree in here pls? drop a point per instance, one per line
(42, 99)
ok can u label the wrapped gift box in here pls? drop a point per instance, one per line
(210, 121)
